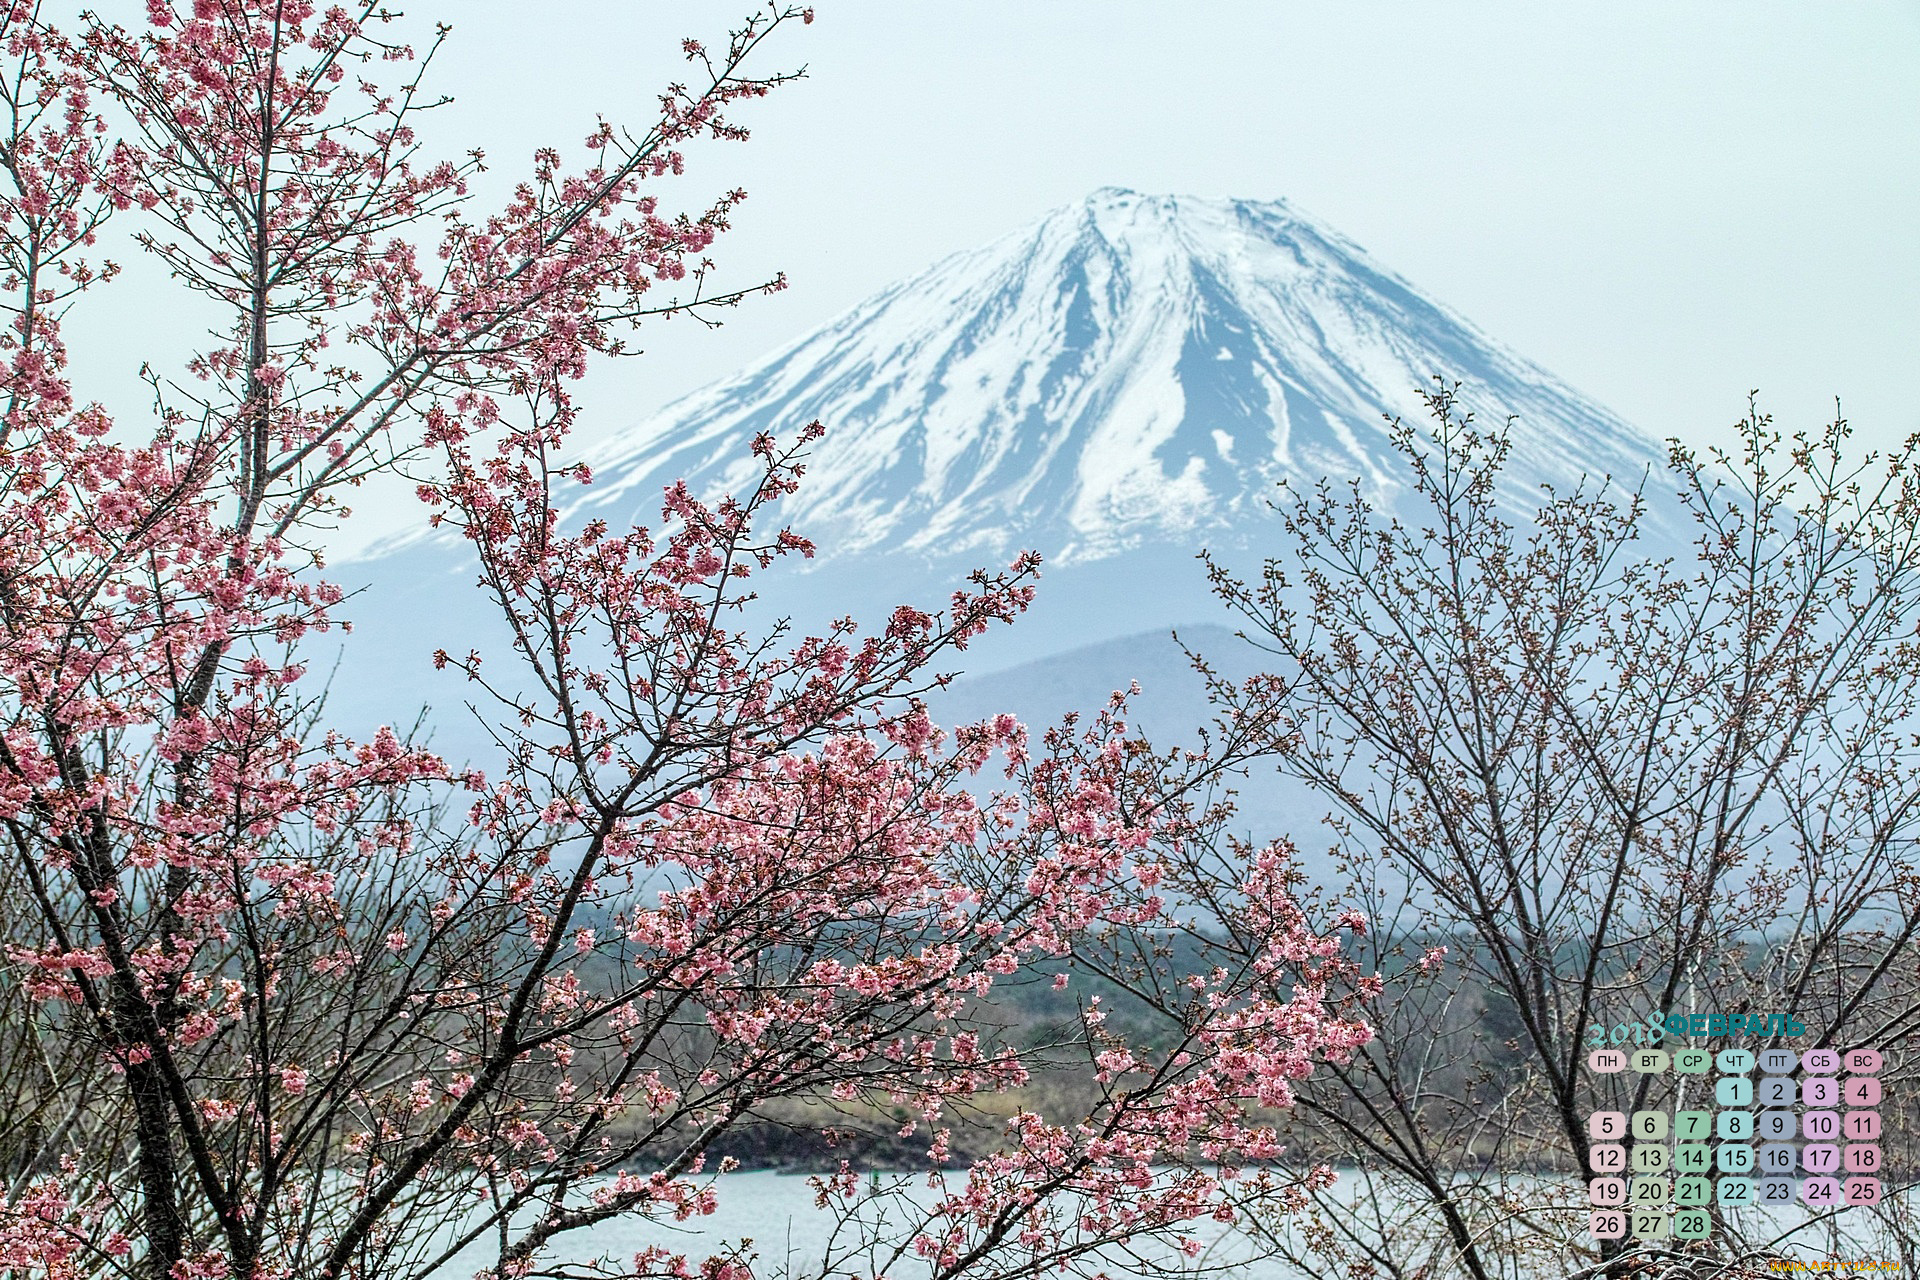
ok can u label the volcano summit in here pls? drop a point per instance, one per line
(1116, 385)
(1125, 371)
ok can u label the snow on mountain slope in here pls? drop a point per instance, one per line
(1116, 385)
(1129, 369)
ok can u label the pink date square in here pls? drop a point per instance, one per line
(1863, 1190)
(1820, 1191)
(1820, 1126)
(1607, 1157)
(1608, 1126)
(1604, 1191)
(1820, 1158)
(1607, 1224)
(1861, 1091)
(1862, 1157)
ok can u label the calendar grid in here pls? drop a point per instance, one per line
(1783, 1127)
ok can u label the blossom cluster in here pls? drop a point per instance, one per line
(338, 1007)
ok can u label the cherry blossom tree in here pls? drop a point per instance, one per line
(1590, 773)
(282, 1003)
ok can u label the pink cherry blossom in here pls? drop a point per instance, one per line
(317, 996)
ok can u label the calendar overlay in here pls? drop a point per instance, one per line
(1741, 1127)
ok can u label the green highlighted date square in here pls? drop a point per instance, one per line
(1692, 1126)
(1693, 1157)
(1642, 1192)
(1692, 1224)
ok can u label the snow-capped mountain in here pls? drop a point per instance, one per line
(1128, 370)
(1117, 385)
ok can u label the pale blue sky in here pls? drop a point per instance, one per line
(1666, 203)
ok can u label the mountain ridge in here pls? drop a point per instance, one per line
(1127, 369)
(1117, 384)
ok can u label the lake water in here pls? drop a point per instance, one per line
(791, 1236)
